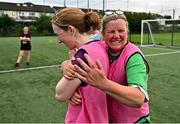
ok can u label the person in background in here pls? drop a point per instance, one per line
(126, 83)
(25, 38)
(96, 35)
(72, 26)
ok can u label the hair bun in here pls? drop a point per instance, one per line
(88, 22)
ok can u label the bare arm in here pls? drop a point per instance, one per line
(65, 88)
(68, 69)
(67, 85)
(24, 38)
(128, 95)
(21, 38)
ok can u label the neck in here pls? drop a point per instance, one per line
(114, 51)
(83, 40)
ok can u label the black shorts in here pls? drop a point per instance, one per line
(25, 46)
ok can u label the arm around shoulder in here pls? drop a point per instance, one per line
(127, 95)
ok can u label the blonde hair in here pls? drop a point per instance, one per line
(84, 22)
(25, 29)
(108, 18)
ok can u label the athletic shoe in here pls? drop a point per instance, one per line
(16, 65)
(27, 63)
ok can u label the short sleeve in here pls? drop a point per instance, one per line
(80, 54)
(21, 34)
(29, 35)
(136, 71)
(136, 74)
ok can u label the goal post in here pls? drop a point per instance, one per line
(164, 32)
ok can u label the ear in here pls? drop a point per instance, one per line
(72, 29)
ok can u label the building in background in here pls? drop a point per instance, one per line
(25, 12)
(29, 12)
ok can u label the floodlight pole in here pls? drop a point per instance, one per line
(77, 3)
(88, 5)
(173, 13)
(172, 35)
(44, 7)
(103, 6)
(64, 3)
(127, 5)
(146, 6)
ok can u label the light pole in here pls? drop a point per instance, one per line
(103, 6)
(146, 6)
(88, 5)
(77, 3)
(127, 5)
(64, 3)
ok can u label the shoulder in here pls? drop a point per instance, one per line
(79, 54)
(131, 47)
(28, 35)
(136, 63)
(21, 34)
(136, 57)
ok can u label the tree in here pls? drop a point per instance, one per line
(135, 19)
(43, 25)
(6, 25)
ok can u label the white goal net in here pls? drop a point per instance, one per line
(164, 32)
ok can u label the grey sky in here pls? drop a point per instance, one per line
(164, 7)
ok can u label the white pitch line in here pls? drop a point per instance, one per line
(166, 53)
(160, 48)
(51, 66)
(25, 69)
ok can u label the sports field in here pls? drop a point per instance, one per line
(27, 93)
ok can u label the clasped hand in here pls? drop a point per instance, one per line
(68, 70)
(92, 73)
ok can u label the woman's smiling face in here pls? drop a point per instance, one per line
(115, 34)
